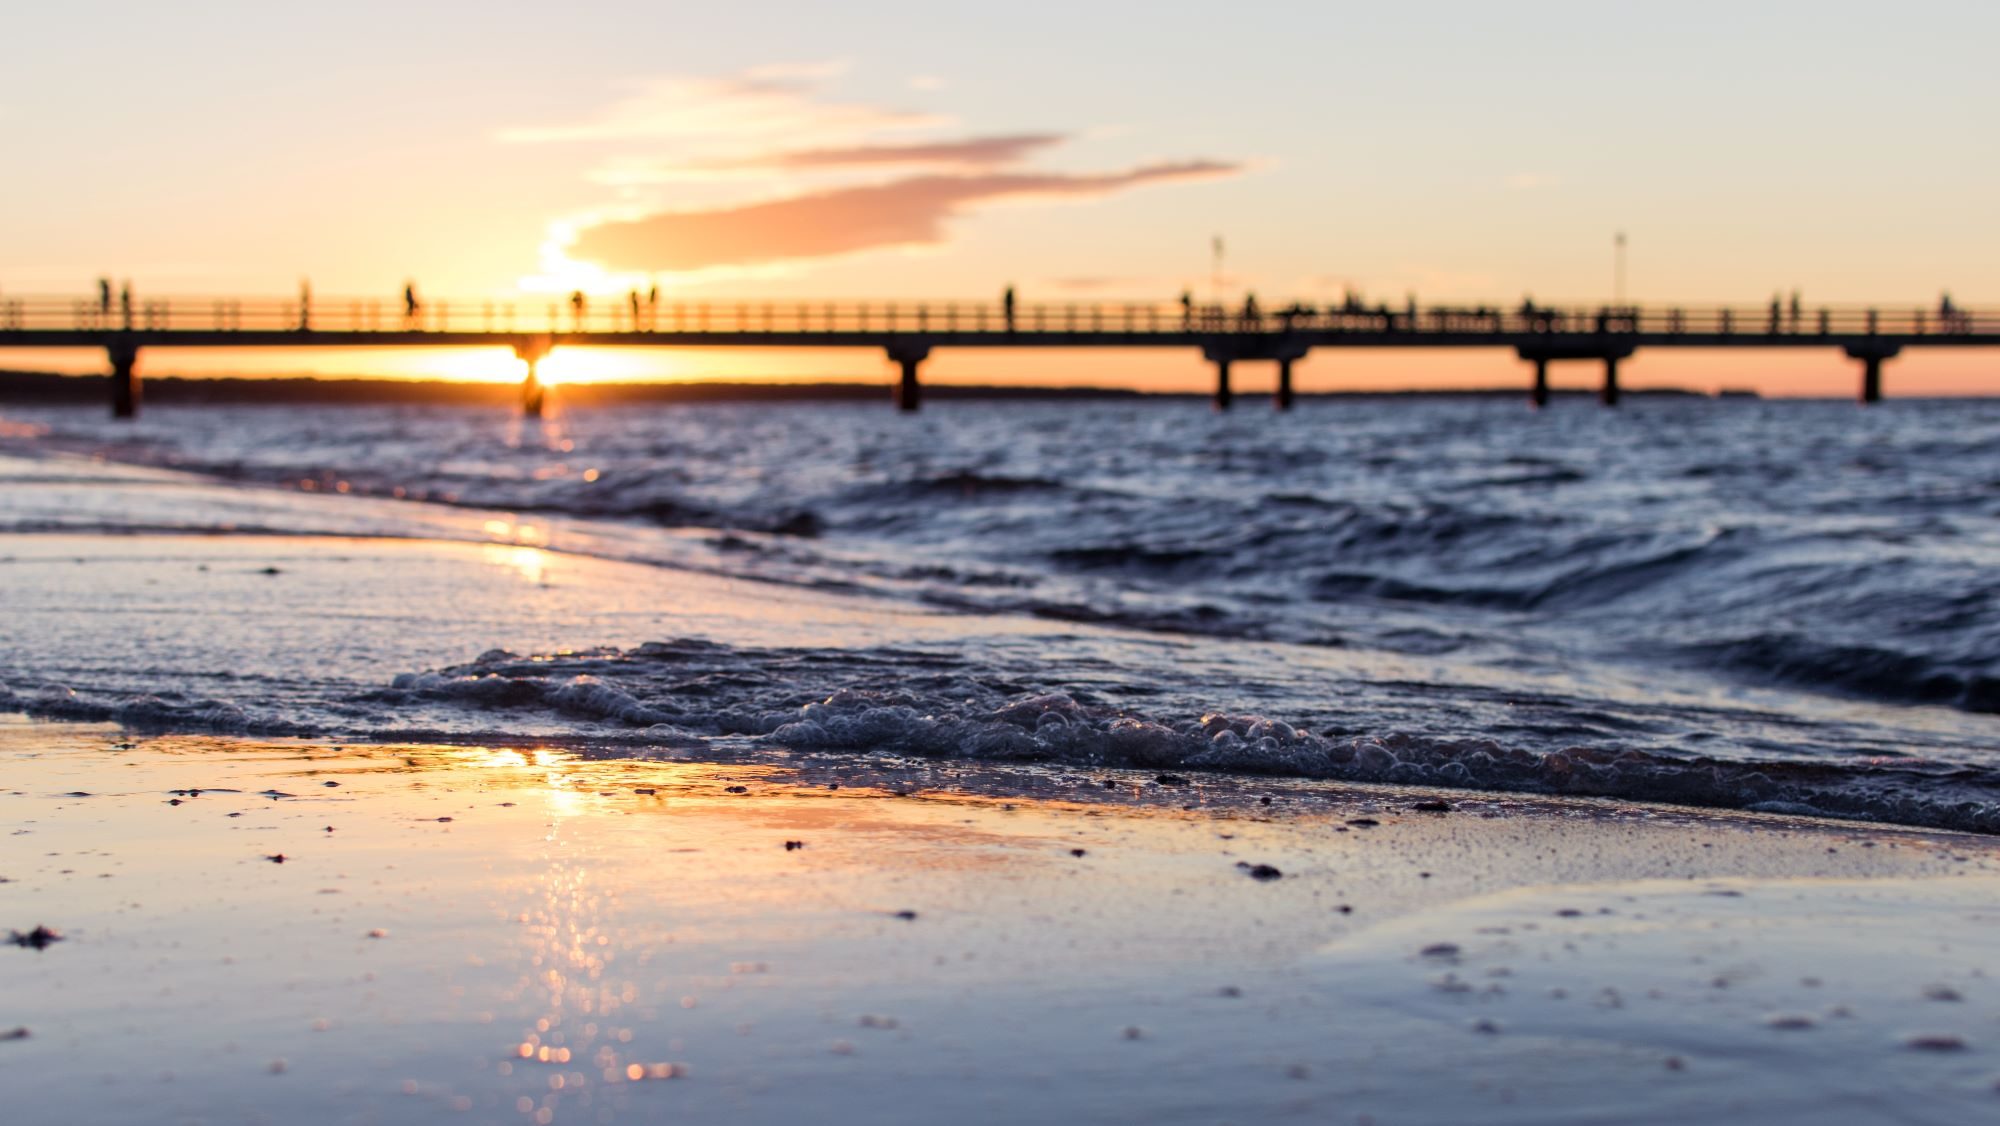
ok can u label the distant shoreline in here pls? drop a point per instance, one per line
(50, 387)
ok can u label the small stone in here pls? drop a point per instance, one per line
(1440, 950)
(738, 789)
(378, 932)
(276, 858)
(1363, 822)
(1260, 871)
(1432, 806)
(15, 1034)
(1078, 852)
(329, 785)
(1934, 1042)
(644, 790)
(794, 846)
(1170, 780)
(906, 915)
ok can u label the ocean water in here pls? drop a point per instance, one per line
(1786, 605)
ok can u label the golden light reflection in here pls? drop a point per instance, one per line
(531, 563)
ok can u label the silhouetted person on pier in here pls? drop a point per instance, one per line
(1250, 314)
(411, 306)
(635, 308)
(305, 304)
(1187, 309)
(1007, 307)
(653, 306)
(576, 307)
(125, 303)
(1777, 313)
(1794, 310)
(104, 296)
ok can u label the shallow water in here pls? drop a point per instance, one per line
(1780, 605)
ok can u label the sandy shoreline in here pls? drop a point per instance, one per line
(625, 914)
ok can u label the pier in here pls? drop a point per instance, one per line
(908, 332)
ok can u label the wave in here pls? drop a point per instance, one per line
(939, 704)
(1870, 671)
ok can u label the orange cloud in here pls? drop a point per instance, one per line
(973, 152)
(906, 212)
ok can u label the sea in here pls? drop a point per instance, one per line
(1790, 606)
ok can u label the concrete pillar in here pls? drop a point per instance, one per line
(1223, 396)
(908, 391)
(1539, 397)
(124, 379)
(532, 393)
(1287, 355)
(1608, 394)
(531, 351)
(1871, 357)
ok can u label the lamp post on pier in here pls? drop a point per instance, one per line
(1618, 270)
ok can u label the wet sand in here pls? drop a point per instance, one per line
(528, 934)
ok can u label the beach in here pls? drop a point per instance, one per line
(344, 808)
(510, 932)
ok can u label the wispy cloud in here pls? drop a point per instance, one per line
(906, 212)
(759, 105)
(830, 176)
(966, 154)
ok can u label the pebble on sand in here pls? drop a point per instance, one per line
(1934, 1042)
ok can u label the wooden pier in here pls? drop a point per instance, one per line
(908, 332)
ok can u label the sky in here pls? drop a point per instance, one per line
(1079, 151)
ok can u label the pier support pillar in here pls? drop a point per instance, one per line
(531, 351)
(1608, 394)
(1871, 357)
(1538, 397)
(1286, 358)
(124, 379)
(1221, 355)
(908, 356)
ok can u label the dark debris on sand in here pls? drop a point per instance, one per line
(41, 938)
(1259, 871)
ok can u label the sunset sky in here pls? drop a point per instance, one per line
(1080, 151)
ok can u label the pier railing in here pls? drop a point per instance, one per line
(793, 318)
